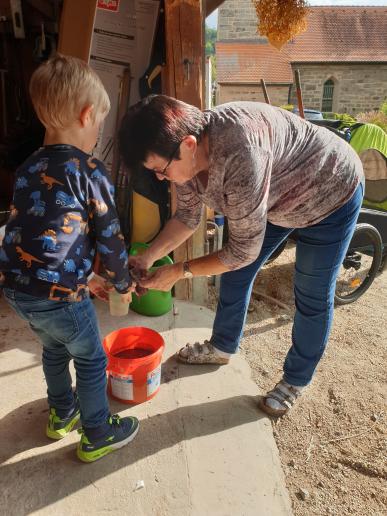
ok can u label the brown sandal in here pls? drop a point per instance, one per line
(285, 394)
(200, 354)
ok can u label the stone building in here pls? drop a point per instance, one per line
(342, 58)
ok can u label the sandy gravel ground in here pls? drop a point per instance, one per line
(333, 444)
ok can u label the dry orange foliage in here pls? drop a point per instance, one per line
(281, 20)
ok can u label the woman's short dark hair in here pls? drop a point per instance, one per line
(156, 125)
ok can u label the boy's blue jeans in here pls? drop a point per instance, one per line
(319, 254)
(68, 331)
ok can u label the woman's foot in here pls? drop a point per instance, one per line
(280, 400)
(201, 354)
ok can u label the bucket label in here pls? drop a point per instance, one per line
(153, 380)
(122, 386)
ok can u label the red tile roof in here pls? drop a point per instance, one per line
(342, 34)
(249, 62)
(334, 34)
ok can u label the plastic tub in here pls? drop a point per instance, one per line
(155, 302)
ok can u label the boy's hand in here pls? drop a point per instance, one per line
(99, 287)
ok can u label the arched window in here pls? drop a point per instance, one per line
(327, 100)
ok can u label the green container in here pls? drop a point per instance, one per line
(154, 302)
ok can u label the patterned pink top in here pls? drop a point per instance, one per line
(267, 164)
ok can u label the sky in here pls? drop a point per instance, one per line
(212, 20)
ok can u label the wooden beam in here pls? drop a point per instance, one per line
(184, 23)
(76, 28)
(211, 5)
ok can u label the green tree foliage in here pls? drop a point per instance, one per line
(210, 41)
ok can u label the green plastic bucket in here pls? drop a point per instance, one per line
(154, 302)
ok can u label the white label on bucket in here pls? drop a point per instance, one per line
(122, 386)
(153, 380)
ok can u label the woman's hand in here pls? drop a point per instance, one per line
(141, 262)
(99, 287)
(164, 277)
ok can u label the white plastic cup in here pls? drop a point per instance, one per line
(118, 307)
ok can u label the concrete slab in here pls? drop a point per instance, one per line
(203, 446)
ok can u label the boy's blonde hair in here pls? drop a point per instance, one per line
(61, 87)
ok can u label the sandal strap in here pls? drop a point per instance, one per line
(286, 399)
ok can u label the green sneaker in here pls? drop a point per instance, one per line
(57, 428)
(122, 431)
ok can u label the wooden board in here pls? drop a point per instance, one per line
(184, 20)
(76, 28)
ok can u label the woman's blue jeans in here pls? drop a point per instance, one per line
(320, 252)
(68, 331)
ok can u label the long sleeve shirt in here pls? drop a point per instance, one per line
(266, 164)
(62, 212)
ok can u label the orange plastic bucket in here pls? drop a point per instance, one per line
(134, 363)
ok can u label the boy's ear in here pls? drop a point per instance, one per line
(85, 116)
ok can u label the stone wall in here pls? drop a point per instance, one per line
(229, 92)
(358, 87)
(237, 19)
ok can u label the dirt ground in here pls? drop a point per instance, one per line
(333, 443)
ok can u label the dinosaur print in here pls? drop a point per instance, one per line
(112, 229)
(72, 167)
(80, 274)
(13, 236)
(39, 207)
(21, 182)
(67, 228)
(26, 257)
(86, 263)
(69, 265)
(97, 176)
(40, 166)
(62, 198)
(101, 248)
(49, 181)
(49, 240)
(46, 275)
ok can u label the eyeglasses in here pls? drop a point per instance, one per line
(164, 171)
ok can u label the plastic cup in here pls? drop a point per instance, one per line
(118, 307)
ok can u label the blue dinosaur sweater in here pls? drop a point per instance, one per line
(62, 212)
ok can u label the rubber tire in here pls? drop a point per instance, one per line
(376, 240)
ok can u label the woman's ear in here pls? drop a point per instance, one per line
(85, 115)
(191, 142)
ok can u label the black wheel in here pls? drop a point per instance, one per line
(360, 265)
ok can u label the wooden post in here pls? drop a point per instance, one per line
(184, 23)
(265, 93)
(76, 28)
(299, 94)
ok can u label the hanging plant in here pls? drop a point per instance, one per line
(281, 20)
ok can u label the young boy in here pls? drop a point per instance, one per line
(62, 213)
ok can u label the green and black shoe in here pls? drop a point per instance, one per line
(57, 427)
(121, 432)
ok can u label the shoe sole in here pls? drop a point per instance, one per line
(53, 434)
(270, 411)
(109, 449)
(186, 361)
